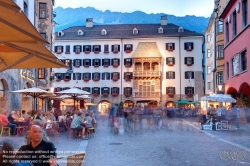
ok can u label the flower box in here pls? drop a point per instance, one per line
(105, 65)
(96, 65)
(115, 65)
(127, 95)
(58, 52)
(86, 66)
(115, 79)
(114, 94)
(128, 65)
(128, 51)
(96, 79)
(96, 52)
(85, 80)
(77, 52)
(77, 66)
(66, 80)
(58, 80)
(189, 64)
(170, 64)
(128, 79)
(115, 51)
(67, 52)
(106, 52)
(86, 52)
(189, 95)
(189, 49)
(171, 95)
(170, 50)
(105, 95)
(95, 94)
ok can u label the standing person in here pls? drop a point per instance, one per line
(43, 153)
(6, 123)
(236, 112)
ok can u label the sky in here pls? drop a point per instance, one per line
(175, 7)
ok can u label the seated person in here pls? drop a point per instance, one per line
(5, 122)
(88, 121)
(77, 124)
(12, 117)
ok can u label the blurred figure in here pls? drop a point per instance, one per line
(24, 114)
(6, 123)
(18, 114)
(77, 124)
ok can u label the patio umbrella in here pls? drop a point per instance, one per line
(46, 96)
(219, 98)
(33, 92)
(74, 93)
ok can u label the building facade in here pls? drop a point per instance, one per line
(155, 64)
(236, 20)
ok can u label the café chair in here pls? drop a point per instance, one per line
(4, 129)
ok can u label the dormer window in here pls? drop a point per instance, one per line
(80, 32)
(104, 32)
(60, 33)
(135, 31)
(160, 30)
(128, 48)
(180, 29)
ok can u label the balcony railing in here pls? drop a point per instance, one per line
(147, 94)
(147, 73)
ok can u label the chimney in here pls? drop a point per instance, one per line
(89, 22)
(164, 20)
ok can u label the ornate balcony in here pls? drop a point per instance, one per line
(147, 94)
(147, 73)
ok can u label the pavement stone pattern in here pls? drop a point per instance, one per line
(182, 144)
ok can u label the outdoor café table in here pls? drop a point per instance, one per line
(20, 126)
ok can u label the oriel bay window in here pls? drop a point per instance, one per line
(128, 76)
(115, 91)
(77, 62)
(87, 89)
(105, 91)
(96, 62)
(189, 61)
(170, 46)
(87, 49)
(86, 76)
(86, 62)
(115, 48)
(42, 10)
(77, 76)
(189, 46)
(95, 91)
(96, 76)
(128, 62)
(189, 91)
(58, 76)
(106, 76)
(170, 91)
(127, 91)
(77, 49)
(115, 62)
(170, 75)
(96, 48)
(170, 61)
(128, 48)
(219, 78)
(115, 76)
(41, 73)
(105, 62)
(67, 76)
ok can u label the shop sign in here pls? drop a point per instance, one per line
(27, 74)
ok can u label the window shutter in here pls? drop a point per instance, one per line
(55, 48)
(80, 48)
(112, 62)
(118, 75)
(92, 76)
(186, 75)
(74, 76)
(185, 60)
(119, 48)
(124, 75)
(173, 46)
(185, 46)
(74, 48)
(174, 89)
(192, 60)
(192, 45)
(93, 90)
(130, 90)
(99, 48)
(125, 46)
(99, 62)
(166, 61)
(102, 62)
(99, 75)
(166, 75)
(131, 47)
(83, 48)
(62, 48)
(124, 90)
(80, 62)
(192, 75)
(173, 60)
(125, 60)
(131, 75)
(119, 62)
(112, 75)
(102, 91)
(109, 62)
(173, 75)
(166, 90)
(98, 91)
(131, 61)
(93, 62)
(111, 90)
(108, 90)
(103, 76)
(74, 62)
(186, 90)
(112, 48)
(108, 76)
(70, 76)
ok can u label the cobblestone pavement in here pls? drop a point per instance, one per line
(182, 144)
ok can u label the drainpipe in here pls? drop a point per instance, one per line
(180, 63)
(215, 55)
(121, 66)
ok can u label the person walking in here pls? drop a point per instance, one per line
(236, 112)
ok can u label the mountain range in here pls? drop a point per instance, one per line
(69, 17)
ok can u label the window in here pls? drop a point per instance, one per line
(227, 32)
(105, 62)
(208, 85)
(87, 89)
(189, 46)
(96, 76)
(25, 8)
(243, 59)
(227, 70)
(86, 62)
(105, 90)
(115, 91)
(104, 32)
(96, 48)
(208, 53)
(106, 48)
(67, 76)
(128, 76)
(170, 75)
(58, 49)
(208, 38)
(170, 61)
(234, 24)
(115, 48)
(115, 62)
(208, 69)
(115, 76)
(189, 75)
(86, 76)
(68, 62)
(235, 65)
(96, 62)
(96, 91)
(128, 62)
(42, 10)
(58, 76)
(87, 48)
(76, 76)
(219, 27)
(160, 30)
(170, 90)
(77, 62)
(189, 90)
(219, 78)
(127, 91)
(77, 49)
(128, 48)
(106, 76)
(41, 73)
(67, 49)
(135, 31)
(170, 46)
(43, 34)
(220, 51)
(189, 61)
(244, 13)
